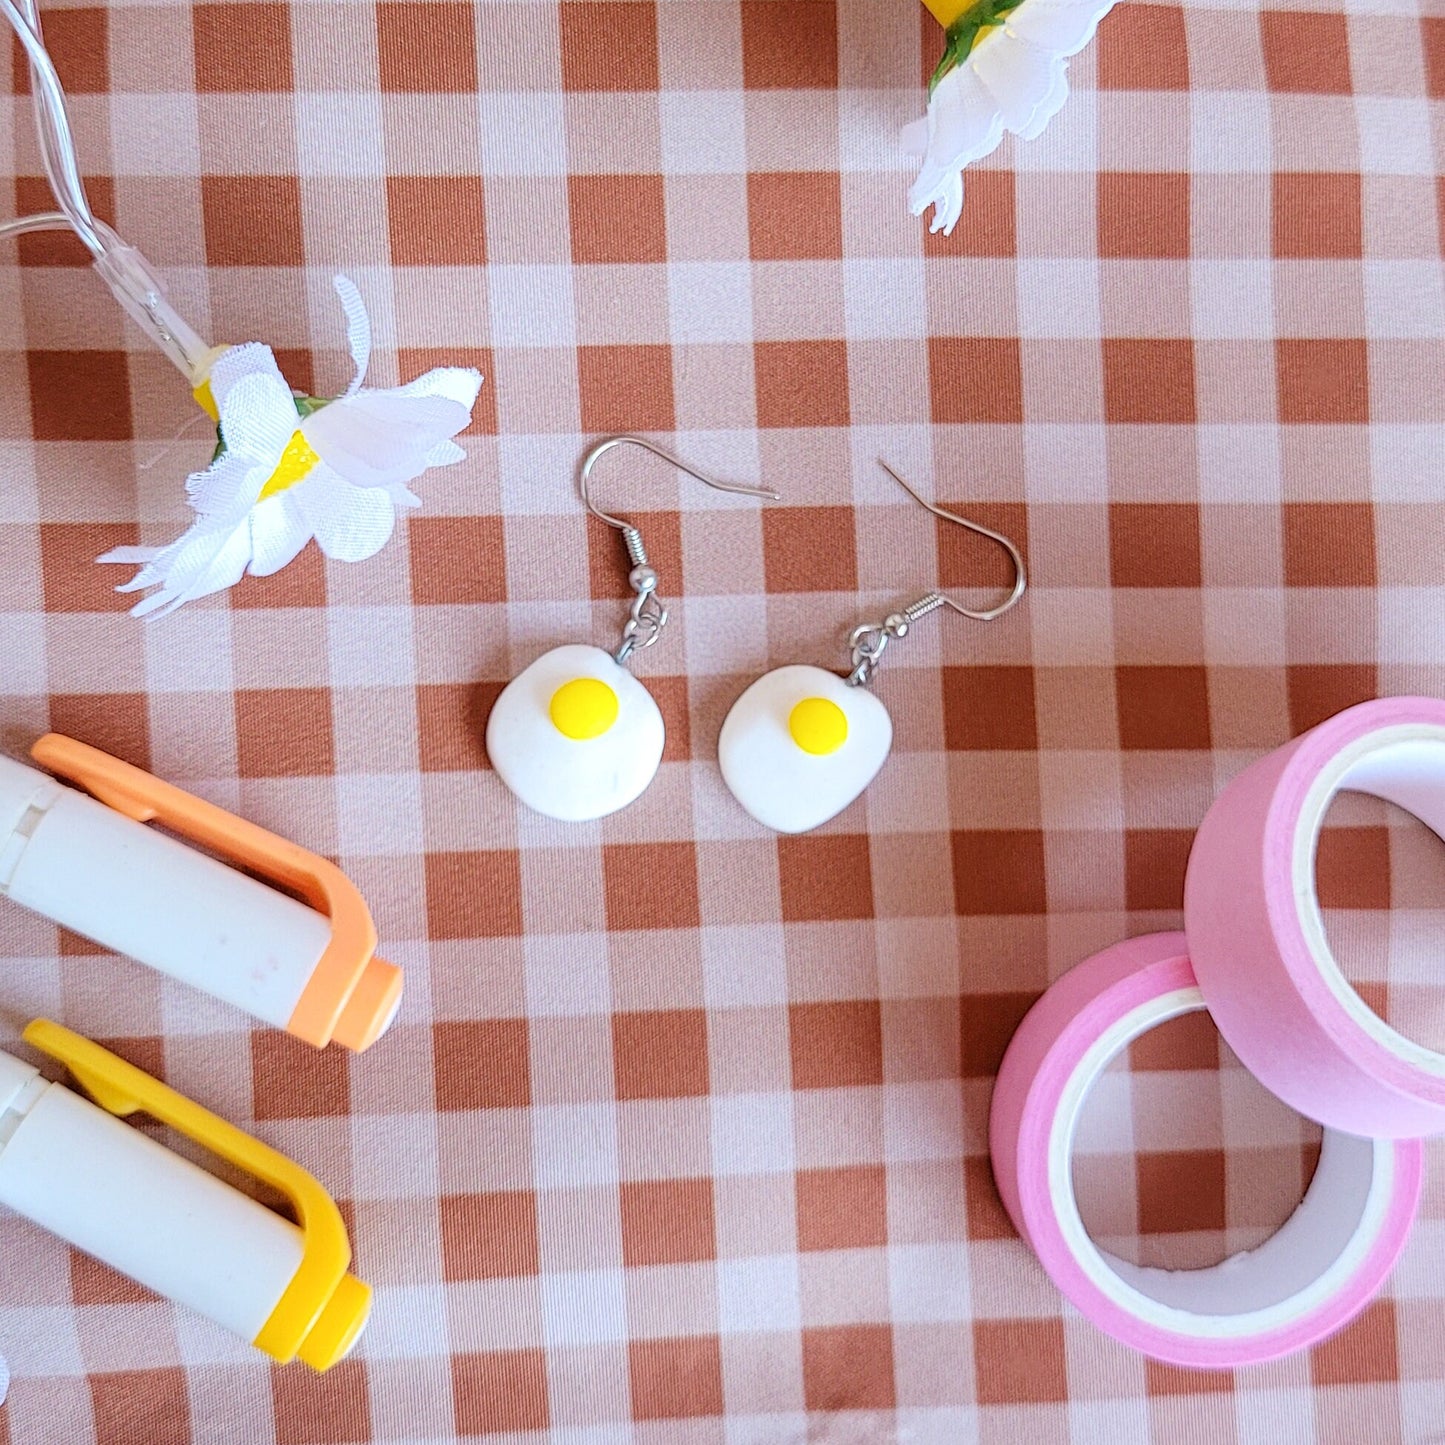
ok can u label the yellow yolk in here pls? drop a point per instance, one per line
(583, 708)
(296, 463)
(818, 726)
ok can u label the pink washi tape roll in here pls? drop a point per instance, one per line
(1257, 935)
(1313, 1275)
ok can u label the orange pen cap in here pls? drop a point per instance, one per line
(351, 995)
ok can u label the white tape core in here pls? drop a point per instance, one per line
(1404, 765)
(1297, 1269)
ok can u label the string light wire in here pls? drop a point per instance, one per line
(52, 120)
(128, 274)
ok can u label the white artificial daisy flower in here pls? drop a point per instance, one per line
(1003, 70)
(292, 467)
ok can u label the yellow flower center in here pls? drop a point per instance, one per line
(583, 708)
(206, 400)
(947, 11)
(818, 725)
(296, 463)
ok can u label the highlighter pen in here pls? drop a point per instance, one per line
(75, 1169)
(88, 861)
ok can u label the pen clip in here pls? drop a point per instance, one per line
(145, 798)
(121, 1088)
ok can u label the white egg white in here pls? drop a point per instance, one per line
(566, 778)
(782, 786)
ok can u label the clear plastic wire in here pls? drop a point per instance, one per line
(52, 119)
(41, 221)
(131, 280)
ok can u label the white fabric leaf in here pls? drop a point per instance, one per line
(349, 523)
(358, 329)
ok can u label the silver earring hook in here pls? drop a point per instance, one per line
(648, 616)
(1021, 580)
(868, 640)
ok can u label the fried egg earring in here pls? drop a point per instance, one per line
(575, 736)
(801, 743)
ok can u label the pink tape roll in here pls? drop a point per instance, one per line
(1313, 1275)
(1257, 936)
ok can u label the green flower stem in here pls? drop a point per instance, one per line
(963, 34)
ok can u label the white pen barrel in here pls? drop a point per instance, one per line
(140, 892)
(115, 1193)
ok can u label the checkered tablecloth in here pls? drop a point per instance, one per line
(681, 1134)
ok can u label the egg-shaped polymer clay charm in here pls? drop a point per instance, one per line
(575, 736)
(800, 744)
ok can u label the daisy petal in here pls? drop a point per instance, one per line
(191, 555)
(439, 416)
(445, 454)
(1014, 80)
(278, 533)
(207, 563)
(379, 437)
(913, 140)
(250, 359)
(946, 198)
(457, 383)
(358, 329)
(258, 418)
(1063, 27)
(963, 124)
(143, 581)
(133, 555)
(1052, 103)
(227, 487)
(1018, 77)
(349, 523)
(963, 120)
(145, 558)
(155, 567)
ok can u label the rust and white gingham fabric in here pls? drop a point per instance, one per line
(681, 1135)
